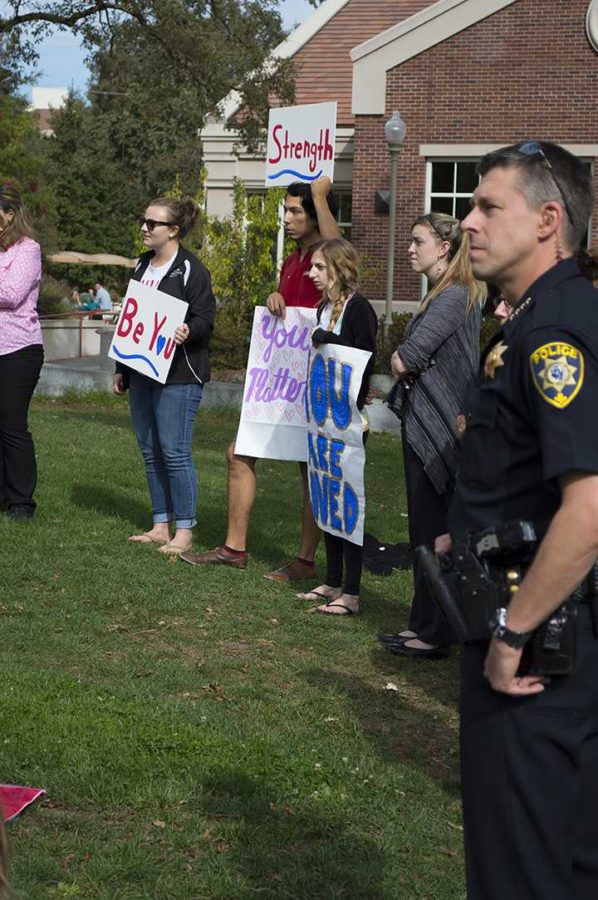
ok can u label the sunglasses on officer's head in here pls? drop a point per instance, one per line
(530, 149)
(150, 224)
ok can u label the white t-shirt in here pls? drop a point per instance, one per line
(153, 275)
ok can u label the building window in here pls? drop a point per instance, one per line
(344, 200)
(450, 186)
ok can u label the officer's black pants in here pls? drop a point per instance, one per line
(428, 517)
(530, 782)
(19, 374)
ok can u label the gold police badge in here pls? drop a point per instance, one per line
(557, 372)
(495, 360)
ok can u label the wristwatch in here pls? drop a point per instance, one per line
(499, 630)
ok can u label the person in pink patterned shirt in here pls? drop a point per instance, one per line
(21, 354)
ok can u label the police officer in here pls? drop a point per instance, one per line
(529, 744)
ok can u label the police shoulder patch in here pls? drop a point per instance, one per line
(557, 372)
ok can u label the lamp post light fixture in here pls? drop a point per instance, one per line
(395, 131)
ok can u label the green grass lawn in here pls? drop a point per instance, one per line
(199, 733)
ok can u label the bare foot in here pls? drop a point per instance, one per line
(344, 605)
(324, 591)
(180, 543)
(159, 534)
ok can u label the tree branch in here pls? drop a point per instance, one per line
(68, 21)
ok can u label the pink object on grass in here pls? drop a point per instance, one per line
(14, 799)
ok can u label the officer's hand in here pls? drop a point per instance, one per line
(276, 304)
(461, 425)
(443, 544)
(500, 669)
(117, 384)
(321, 187)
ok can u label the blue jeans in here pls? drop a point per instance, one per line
(163, 417)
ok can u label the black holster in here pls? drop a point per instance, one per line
(470, 586)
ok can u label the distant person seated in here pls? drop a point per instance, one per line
(75, 297)
(103, 298)
(88, 301)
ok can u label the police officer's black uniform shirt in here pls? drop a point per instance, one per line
(532, 415)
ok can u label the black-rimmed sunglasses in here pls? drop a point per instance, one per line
(150, 224)
(533, 148)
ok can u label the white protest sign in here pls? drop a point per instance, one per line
(301, 143)
(144, 335)
(273, 422)
(336, 454)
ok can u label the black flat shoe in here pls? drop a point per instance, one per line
(400, 648)
(19, 514)
(395, 638)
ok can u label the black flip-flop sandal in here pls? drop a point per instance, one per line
(348, 610)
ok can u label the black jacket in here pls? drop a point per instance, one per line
(188, 280)
(359, 327)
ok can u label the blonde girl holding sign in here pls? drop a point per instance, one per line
(164, 414)
(347, 319)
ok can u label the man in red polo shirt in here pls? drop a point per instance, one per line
(309, 217)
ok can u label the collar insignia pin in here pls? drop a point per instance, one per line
(494, 360)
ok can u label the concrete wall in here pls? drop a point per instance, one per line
(69, 338)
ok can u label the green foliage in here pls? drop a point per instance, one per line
(96, 198)
(490, 326)
(54, 296)
(240, 252)
(23, 162)
(386, 344)
(158, 68)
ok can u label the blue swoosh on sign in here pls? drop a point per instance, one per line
(301, 175)
(136, 356)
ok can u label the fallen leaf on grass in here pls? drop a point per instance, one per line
(158, 823)
(456, 827)
(390, 686)
(66, 860)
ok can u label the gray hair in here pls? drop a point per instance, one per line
(550, 174)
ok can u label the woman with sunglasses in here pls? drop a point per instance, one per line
(21, 354)
(434, 366)
(164, 414)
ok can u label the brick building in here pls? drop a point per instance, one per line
(465, 75)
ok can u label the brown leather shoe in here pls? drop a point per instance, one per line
(219, 556)
(292, 571)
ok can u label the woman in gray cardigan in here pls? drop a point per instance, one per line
(434, 366)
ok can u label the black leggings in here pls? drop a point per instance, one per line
(19, 374)
(428, 517)
(339, 551)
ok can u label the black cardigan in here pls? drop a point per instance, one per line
(187, 279)
(359, 327)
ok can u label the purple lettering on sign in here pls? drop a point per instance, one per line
(264, 386)
(276, 335)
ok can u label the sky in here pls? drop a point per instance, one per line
(62, 61)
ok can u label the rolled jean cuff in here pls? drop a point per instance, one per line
(161, 518)
(186, 523)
